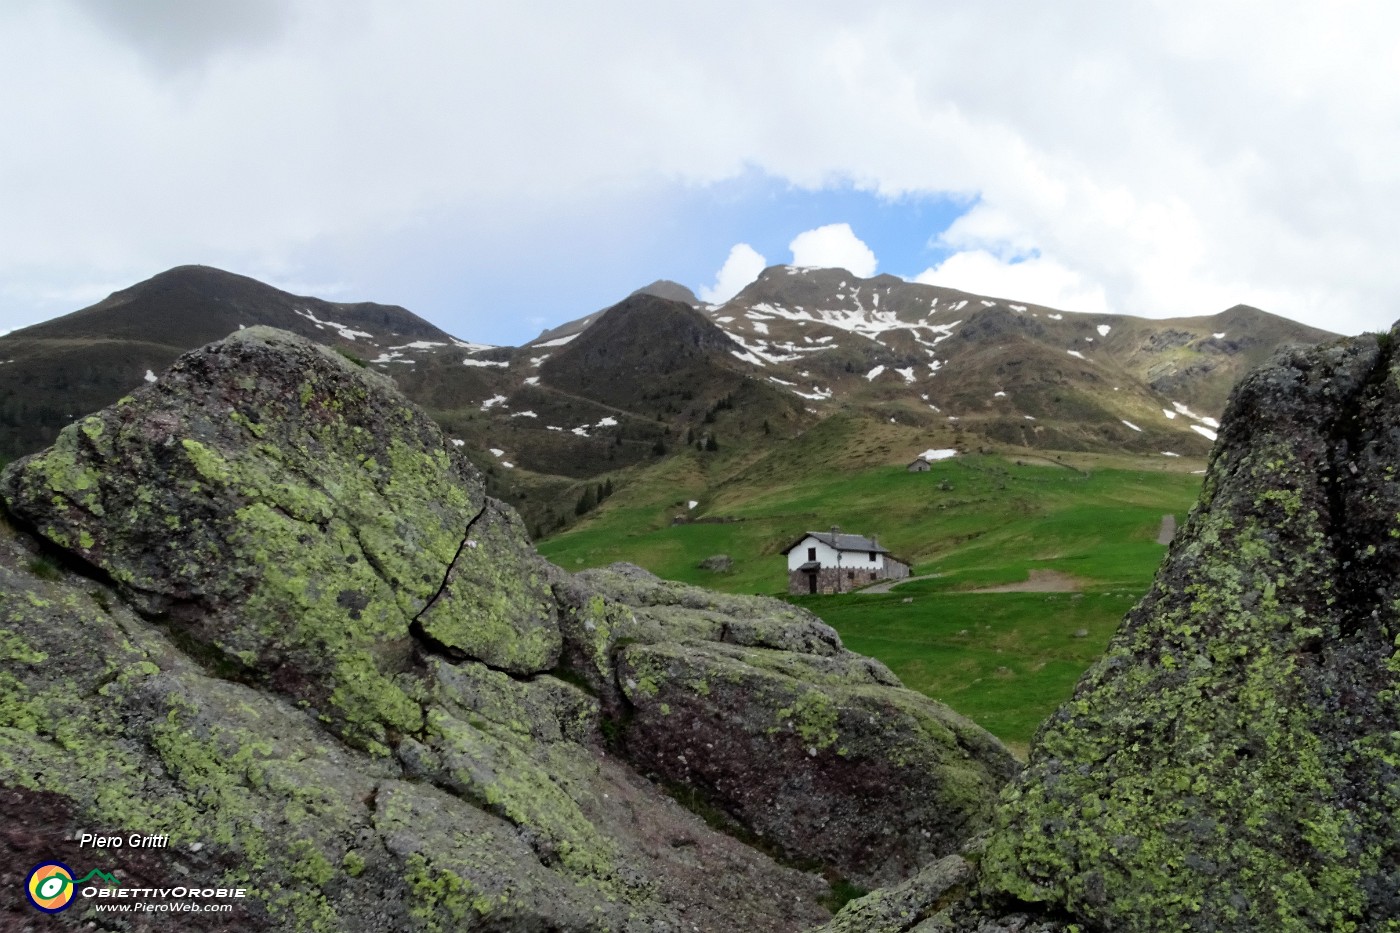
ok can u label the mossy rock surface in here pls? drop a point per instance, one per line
(1232, 762)
(298, 521)
(752, 707)
(279, 621)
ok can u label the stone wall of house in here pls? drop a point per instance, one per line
(834, 580)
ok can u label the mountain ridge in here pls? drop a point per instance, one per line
(579, 404)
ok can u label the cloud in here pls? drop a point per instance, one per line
(173, 35)
(1176, 158)
(742, 267)
(833, 246)
(1036, 280)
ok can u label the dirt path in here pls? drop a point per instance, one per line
(891, 584)
(1040, 581)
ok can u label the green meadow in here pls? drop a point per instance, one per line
(1004, 659)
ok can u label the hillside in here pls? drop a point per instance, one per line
(593, 403)
(59, 370)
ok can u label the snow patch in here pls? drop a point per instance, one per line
(535, 361)
(1171, 415)
(581, 430)
(1168, 453)
(870, 376)
(608, 421)
(524, 414)
(1208, 422)
(692, 504)
(558, 341)
(1017, 307)
(497, 451)
(1103, 330)
(346, 333)
(470, 362)
(1076, 353)
(1056, 317)
(998, 395)
(1219, 336)
(532, 380)
(759, 326)
(908, 373)
(492, 402)
(150, 376)
(817, 394)
(1131, 425)
(939, 453)
(420, 345)
(457, 442)
(1207, 433)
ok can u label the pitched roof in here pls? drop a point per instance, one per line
(841, 542)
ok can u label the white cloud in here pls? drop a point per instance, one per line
(742, 267)
(1036, 280)
(833, 246)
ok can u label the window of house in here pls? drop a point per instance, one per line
(872, 557)
(811, 553)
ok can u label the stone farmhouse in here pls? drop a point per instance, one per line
(832, 562)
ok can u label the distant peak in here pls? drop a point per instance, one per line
(673, 291)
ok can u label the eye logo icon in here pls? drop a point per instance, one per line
(50, 887)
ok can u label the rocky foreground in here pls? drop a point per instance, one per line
(262, 608)
(1233, 762)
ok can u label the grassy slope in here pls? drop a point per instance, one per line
(1007, 659)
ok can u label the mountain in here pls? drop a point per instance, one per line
(591, 402)
(1017, 373)
(61, 369)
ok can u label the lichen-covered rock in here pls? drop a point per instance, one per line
(904, 906)
(269, 614)
(753, 705)
(298, 521)
(1232, 763)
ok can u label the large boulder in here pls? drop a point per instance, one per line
(1232, 763)
(753, 708)
(300, 522)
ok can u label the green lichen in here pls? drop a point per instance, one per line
(508, 780)
(813, 716)
(441, 894)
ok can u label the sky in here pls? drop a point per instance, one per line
(502, 168)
